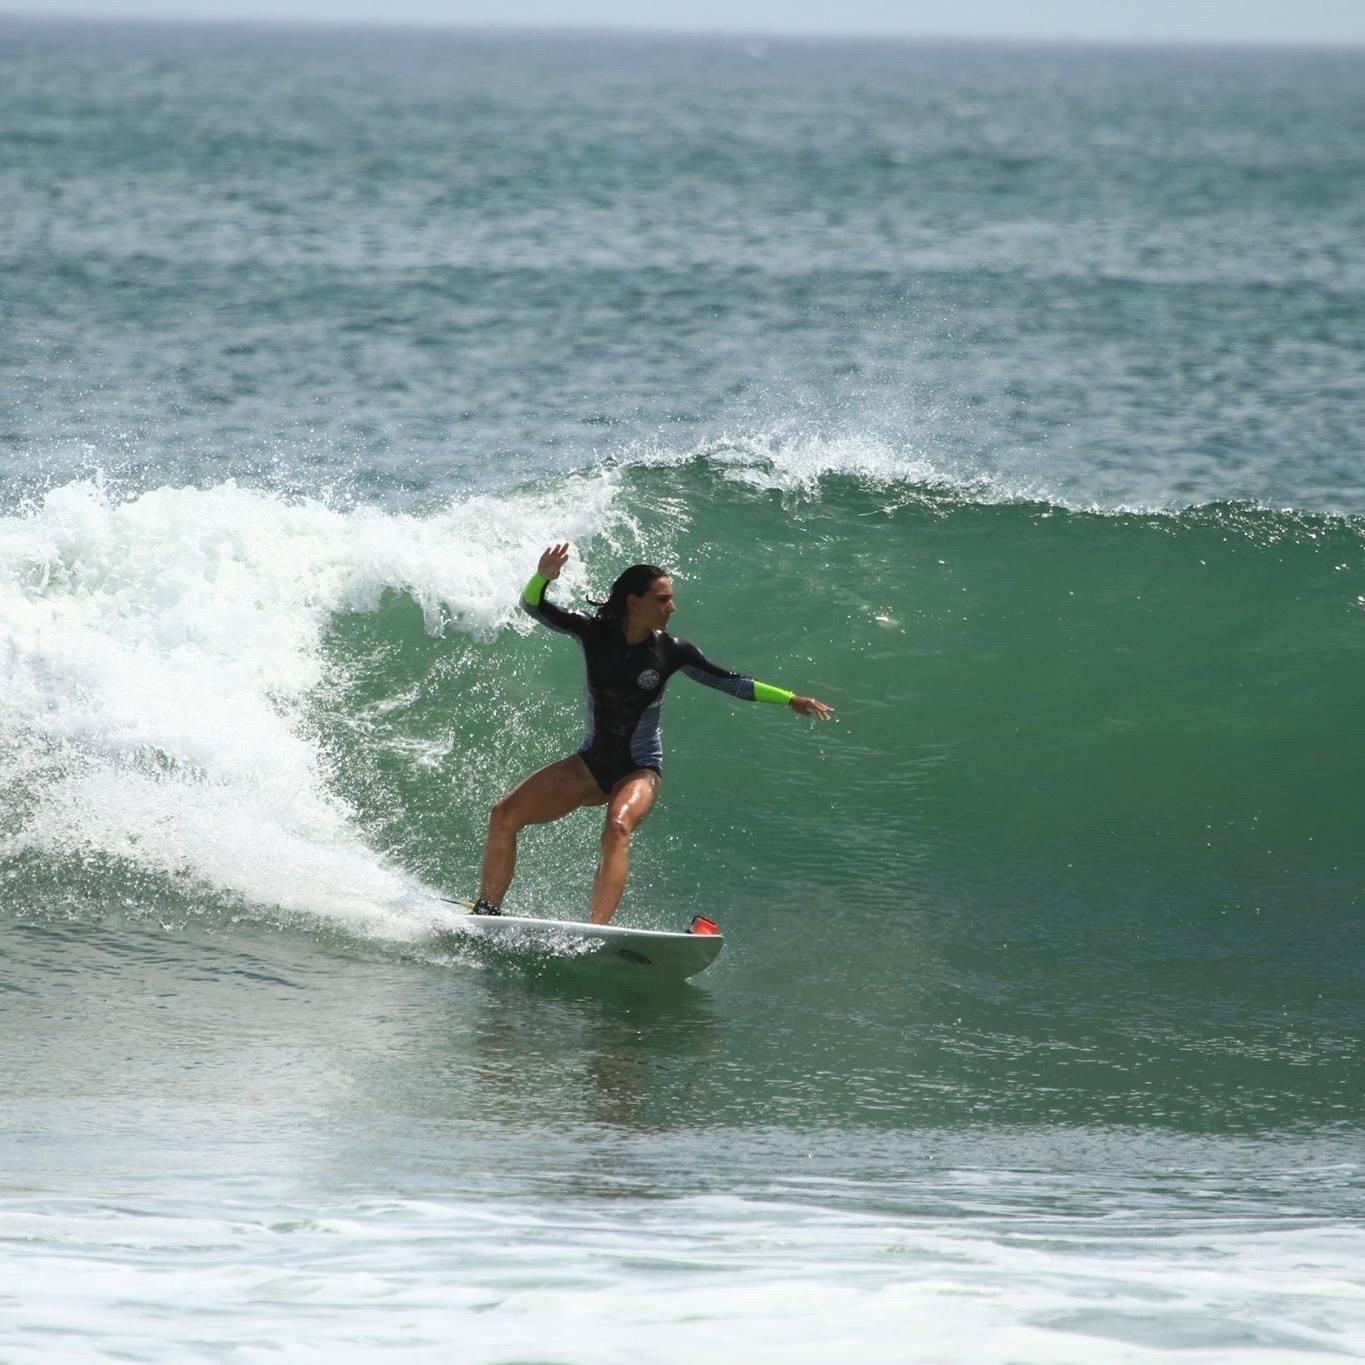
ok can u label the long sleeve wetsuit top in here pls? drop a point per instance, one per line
(625, 685)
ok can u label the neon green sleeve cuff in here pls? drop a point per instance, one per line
(534, 590)
(762, 692)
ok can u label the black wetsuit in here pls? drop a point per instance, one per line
(626, 686)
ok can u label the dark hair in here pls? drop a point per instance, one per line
(634, 582)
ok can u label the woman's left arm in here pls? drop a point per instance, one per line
(700, 669)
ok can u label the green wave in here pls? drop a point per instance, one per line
(1082, 844)
(1023, 691)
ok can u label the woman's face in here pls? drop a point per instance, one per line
(653, 607)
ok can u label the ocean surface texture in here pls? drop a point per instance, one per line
(1010, 400)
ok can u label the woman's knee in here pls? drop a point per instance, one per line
(617, 829)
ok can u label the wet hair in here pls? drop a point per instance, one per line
(634, 582)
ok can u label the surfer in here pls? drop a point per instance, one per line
(630, 658)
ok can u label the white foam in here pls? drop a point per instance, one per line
(156, 651)
(797, 462)
(703, 1277)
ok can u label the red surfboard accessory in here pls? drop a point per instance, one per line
(701, 925)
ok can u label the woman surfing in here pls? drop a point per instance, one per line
(630, 658)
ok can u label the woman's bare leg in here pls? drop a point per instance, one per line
(548, 794)
(631, 800)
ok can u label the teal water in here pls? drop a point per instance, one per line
(1007, 399)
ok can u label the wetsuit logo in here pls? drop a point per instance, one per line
(649, 679)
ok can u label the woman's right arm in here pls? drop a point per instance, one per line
(533, 601)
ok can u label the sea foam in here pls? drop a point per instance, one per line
(157, 650)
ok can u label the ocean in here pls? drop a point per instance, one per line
(1009, 399)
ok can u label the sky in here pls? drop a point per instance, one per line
(1331, 22)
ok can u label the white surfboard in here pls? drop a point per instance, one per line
(598, 945)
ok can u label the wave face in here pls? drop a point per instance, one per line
(1098, 775)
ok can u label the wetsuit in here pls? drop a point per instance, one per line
(626, 686)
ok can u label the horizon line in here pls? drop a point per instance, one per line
(757, 35)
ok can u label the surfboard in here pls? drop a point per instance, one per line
(616, 946)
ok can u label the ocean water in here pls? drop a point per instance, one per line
(1008, 399)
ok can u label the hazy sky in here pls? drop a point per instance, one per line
(1232, 21)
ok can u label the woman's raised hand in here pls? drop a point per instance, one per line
(553, 561)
